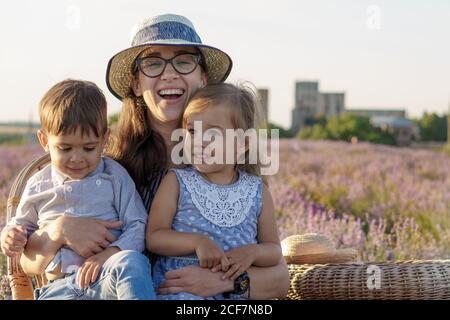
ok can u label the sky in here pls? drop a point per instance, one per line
(382, 54)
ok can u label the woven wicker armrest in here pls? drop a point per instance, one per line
(401, 280)
(21, 284)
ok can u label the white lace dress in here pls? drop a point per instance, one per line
(227, 214)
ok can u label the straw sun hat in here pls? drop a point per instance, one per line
(312, 248)
(163, 30)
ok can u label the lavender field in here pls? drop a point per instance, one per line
(13, 158)
(388, 203)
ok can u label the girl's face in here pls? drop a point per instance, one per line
(207, 138)
(168, 94)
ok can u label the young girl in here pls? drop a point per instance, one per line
(218, 214)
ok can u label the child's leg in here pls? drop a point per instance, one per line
(180, 296)
(57, 290)
(125, 276)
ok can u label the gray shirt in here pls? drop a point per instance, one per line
(108, 193)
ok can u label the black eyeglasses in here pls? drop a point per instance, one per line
(183, 63)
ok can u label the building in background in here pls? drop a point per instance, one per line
(403, 130)
(331, 104)
(397, 113)
(311, 104)
(264, 99)
(393, 121)
(306, 101)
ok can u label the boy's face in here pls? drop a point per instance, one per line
(74, 155)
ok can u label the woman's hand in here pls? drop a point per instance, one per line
(195, 280)
(265, 282)
(85, 236)
(210, 254)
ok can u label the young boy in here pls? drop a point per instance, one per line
(80, 182)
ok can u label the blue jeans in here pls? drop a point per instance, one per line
(126, 275)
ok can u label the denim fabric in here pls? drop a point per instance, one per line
(124, 276)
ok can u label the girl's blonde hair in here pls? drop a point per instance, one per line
(244, 107)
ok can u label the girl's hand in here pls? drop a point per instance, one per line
(13, 240)
(210, 254)
(90, 269)
(240, 260)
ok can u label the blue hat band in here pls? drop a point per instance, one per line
(165, 31)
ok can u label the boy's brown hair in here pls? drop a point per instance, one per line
(73, 104)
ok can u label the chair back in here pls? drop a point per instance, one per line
(22, 286)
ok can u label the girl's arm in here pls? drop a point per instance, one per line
(160, 238)
(267, 252)
(268, 249)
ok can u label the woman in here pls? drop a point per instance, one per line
(155, 78)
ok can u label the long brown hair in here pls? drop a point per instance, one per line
(136, 145)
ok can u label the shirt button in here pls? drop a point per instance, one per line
(69, 189)
(98, 182)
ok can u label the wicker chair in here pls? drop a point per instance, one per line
(340, 281)
(21, 284)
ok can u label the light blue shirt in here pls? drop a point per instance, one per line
(108, 193)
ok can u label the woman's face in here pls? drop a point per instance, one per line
(168, 94)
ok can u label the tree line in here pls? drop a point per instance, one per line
(432, 127)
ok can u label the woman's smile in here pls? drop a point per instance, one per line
(171, 94)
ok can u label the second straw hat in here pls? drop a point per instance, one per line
(312, 248)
